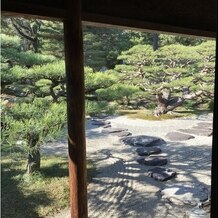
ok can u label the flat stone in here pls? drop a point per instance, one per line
(122, 134)
(152, 161)
(146, 151)
(197, 213)
(200, 132)
(143, 140)
(100, 122)
(161, 174)
(204, 125)
(177, 136)
(107, 126)
(113, 130)
(185, 195)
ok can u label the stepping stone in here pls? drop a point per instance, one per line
(204, 125)
(200, 132)
(100, 116)
(107, 126)
(161, 174)
(197, 213)
(148, 151)
(152, 161)
(113, 130)
(100, 122)
(177, 136)
(122, 134)
(143, 140)
(185, 195)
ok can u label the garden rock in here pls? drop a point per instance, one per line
(177, 136)
(152, 161)
(98, 122)
(204, 125)
(113, 130)
(161, 174)
(197, 213)
(200, 132)
(143, 140)
(185, 195)
(107, 126)
(122, 134)
(146, 151)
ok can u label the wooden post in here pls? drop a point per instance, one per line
(75, 109)
(214, 213)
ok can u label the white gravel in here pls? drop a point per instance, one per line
(122, 187)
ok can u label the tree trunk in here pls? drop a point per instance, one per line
(155, 41)
(33, 164)
(162, 104)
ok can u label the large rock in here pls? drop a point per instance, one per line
(161, 174)
(185, 194)
(177, 136)
(146, 151)
(152, 161)
(143, 140)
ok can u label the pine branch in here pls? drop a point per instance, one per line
(22, 34)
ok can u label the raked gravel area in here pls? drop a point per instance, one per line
(122, 187)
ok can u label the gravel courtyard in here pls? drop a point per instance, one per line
(122, 187)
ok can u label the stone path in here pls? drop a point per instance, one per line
(123, 188)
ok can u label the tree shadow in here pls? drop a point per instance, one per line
(125, 189)
(14, 202)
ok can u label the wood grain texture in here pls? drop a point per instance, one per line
(76, 110)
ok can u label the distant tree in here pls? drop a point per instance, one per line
(102, 46)
(173, 73)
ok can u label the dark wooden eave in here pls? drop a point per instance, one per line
(191, 17)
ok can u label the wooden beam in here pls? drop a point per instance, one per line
(33, 9)
(189, 17)
(143, 26)
(76, 110)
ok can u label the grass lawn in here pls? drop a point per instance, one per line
(39, 195)
(148, 115)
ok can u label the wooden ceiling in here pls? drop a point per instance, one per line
(192, 17)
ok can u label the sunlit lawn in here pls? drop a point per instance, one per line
(148, 115)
